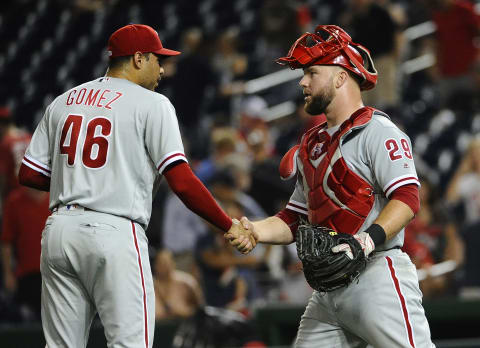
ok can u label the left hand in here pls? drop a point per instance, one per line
(363, 239)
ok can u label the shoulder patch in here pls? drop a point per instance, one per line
(288, 164)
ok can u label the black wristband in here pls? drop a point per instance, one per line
(377, 233)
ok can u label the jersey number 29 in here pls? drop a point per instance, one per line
(95, 146)
(394, 150)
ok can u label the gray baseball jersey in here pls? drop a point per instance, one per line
(105, 131)
(381, 154)
(386, 294)
(104, 144)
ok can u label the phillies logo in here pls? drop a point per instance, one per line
(316, 151)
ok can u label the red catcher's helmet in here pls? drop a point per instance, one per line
(336, 49)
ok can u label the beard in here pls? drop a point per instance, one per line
(319, 103)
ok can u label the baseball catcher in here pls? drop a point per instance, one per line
(357, 187)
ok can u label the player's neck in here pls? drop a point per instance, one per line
(345, 103)
(122, 74)
(337, 114)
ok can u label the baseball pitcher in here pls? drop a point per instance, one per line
(100, 150)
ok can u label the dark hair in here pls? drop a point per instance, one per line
(119, 61)
(223, 177)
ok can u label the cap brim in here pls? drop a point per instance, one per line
(283, 60)
(290, 61)
(167, 52)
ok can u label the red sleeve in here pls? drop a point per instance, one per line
(31, 178)
(290, 218)
(408, 194)
(195, 195)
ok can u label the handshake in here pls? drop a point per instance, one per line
(242, 235)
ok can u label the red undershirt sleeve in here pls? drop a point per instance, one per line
(409, 195)
(31, 178)
(195, 195)
(290, 218)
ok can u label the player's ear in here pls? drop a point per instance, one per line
(340, 78)
(138, 58)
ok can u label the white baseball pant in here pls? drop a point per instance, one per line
(93, 262)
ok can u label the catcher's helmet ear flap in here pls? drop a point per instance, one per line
(331, 45)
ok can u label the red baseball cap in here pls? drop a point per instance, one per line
(136, 38)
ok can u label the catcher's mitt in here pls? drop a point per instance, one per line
(325, 270)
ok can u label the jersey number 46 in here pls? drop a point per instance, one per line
(94, 151)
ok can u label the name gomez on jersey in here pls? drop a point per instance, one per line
(105, 99)
(90, 136)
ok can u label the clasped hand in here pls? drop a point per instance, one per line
(242, 235)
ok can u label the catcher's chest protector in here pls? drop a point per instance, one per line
(338, 197)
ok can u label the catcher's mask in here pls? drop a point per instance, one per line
(331, 45)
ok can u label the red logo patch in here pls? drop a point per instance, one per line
(316, 151)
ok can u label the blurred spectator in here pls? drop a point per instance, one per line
(296, 126)
(224, 186)
(304, 16)
(224, 141)
(465, 101)
(464, 187)
(294, 287)
(231, 67)
(432, 237)
(250, 114)
(215, 327)
(192, 86)
(13, 144)
(177, 293)
(180, 230)
(278, 28)
(397, 12)
(267, 188)
(225, 285)
(239, 165)
(457, 28)
(363, 18)
(25, 213)
(227, 61)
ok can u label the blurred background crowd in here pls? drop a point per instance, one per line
(239, 112)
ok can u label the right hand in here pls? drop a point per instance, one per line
(363, 239)
(242, 235)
